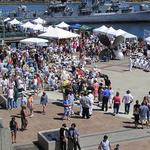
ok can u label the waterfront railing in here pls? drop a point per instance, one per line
(12, 34)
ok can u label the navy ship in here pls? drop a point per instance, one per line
(97, 11)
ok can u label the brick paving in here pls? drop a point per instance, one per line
(100, 122)
(137, 145)
(134, 145)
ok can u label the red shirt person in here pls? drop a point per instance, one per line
(116, 101)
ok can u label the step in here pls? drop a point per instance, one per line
(30, 146)
(91, 141)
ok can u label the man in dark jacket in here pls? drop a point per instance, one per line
(63, 137)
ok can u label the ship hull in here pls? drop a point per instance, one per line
(143, 16)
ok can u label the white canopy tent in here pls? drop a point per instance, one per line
(39, 21)
(129, 36)
(111, 31)
(101, 29)
(147, 40)
(15, 22)
(28, 25)
(62, 25)
(7, 19)
(38, 27)
(44, 29)
(58, 33)
(120, 32)
(34, 41)
(49, 28)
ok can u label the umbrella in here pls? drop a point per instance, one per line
(76, 26)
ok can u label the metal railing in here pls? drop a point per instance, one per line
(13, 34)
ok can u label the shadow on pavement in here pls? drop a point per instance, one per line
(131, 127)
(37, 112)
(56, 118)
(108, 113)
(57, 104)
(16, 116)
(60, 114)
(128, 122)
(77, 117)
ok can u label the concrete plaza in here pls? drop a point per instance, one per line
(137, 81)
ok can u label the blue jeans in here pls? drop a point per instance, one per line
(15, 105)
(127, 108)
(10, 103)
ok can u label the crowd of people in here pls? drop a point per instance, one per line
(140, 59)
(61, 66)
(141, 62)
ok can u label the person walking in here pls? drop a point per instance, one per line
(116, 101)
(67, 108)
(63, 137)
(127, 99)
(111, 97)
(10, 97)
(16, 95)
(43, 102)
(24, 121)
(100, 94)
(86, 104)
(23, 100)
(106, 95)
(91, 96)
(71, 97)
(136, 113)
(105, 144)
(13, 128)
(73, 142)
(130, 63)
(144, 114)
(95, 92)
(30, 105)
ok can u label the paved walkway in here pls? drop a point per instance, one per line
(137, 81)
(119, 136)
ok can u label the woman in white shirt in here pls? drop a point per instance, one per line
(10, 98)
